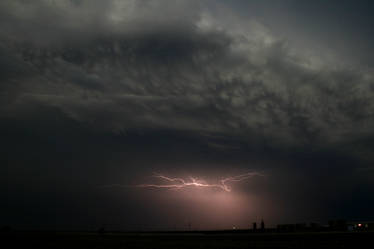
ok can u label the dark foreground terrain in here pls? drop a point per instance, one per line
(186, 240)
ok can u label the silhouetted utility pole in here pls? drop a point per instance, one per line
(262, 225)
(254, 226)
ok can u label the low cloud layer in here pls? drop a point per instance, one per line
(186, 75)
(228, 84)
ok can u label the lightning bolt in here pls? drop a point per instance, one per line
(179, 183)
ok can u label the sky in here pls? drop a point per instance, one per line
(129, 114)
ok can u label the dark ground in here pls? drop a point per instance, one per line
(53, 240)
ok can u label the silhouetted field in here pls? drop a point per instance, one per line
(185, 240)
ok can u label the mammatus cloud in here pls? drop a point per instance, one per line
(95, 92)
(185, 70)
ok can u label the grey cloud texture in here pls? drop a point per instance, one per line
(48, 21)
(96, 93)
(177, 65)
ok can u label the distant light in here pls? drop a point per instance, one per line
(234, 228)
(359, 224)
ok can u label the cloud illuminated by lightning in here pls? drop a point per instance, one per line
(178, 183)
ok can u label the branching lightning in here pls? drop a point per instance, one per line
(178, 183)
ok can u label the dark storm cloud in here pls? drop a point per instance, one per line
(124, 83)
(196, 80)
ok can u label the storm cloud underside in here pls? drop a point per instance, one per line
(107, 92)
